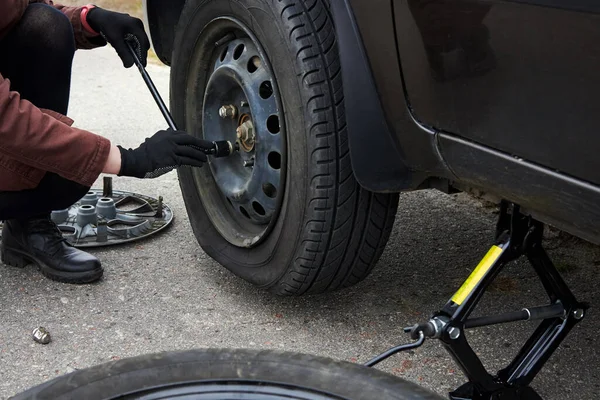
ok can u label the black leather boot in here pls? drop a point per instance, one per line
(39, 241)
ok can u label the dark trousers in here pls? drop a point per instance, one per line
(36, 56)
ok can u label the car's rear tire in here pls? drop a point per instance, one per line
(323, 231)
(227, 374)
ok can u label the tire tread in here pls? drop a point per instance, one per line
(354, 232)
(139, 376)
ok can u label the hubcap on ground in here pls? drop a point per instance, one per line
(241, 104)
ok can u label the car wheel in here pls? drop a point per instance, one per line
(285, 211)
(228, 374)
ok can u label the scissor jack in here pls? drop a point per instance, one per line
(516, 235)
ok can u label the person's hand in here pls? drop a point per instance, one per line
(162, 153)
(115, 27)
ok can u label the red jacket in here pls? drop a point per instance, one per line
(35, 141)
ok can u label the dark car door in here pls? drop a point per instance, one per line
(522, 77)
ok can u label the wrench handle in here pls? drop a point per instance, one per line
(152, 88)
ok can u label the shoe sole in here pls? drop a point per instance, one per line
(19, 259)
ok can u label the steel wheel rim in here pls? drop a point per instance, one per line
(242, 201)
(250, 178)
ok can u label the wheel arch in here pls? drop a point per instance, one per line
(161, 18)
(378, 162)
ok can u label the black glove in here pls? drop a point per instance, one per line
(115, 27)
(162, 153)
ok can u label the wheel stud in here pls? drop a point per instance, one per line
(228, 111)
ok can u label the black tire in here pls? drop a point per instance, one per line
(256, 374)
(329, 232)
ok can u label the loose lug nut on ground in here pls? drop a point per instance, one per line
(41, 335)
(228, 111)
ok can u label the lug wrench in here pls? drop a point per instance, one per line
(222, 148)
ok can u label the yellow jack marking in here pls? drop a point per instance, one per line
(477, 275)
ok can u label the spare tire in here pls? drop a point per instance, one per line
(228, 374)
(285, 211)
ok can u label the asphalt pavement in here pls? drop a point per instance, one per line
(165, 293)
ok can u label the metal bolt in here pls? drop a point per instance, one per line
(246, 136)
(579, 313)
(454, 333)
(107, 190)
(227, 38)
(41, 335)
(228, 111)
(439, 323)
(249, 163)
(159, 208)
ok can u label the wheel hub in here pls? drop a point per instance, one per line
(245, 133)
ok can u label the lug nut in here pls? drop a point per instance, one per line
(246, 136)
(245, 131)
(228, 111)
(579, 313)
(41, 335)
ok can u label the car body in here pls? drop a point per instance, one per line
(496, 97)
